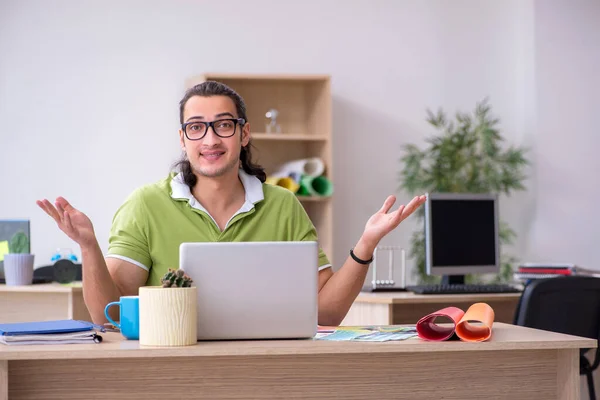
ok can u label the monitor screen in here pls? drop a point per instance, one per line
(461, 233)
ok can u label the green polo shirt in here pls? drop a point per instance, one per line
(155, 219)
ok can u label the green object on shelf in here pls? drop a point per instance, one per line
(315, 186)
(303, 190)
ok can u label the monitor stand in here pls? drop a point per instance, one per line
(453, 280)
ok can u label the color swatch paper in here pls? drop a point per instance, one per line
(366, 333)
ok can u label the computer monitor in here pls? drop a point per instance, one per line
(461, 235)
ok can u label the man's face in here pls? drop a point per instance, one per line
(211, 155)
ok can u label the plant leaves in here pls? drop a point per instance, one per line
(467, 155)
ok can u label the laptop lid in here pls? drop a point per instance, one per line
(254, 290)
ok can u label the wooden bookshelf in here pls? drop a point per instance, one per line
(304, 105)
(299, 137)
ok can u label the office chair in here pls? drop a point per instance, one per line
(569, 305)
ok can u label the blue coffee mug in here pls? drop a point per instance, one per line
(129, 316)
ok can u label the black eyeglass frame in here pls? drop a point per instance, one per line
(209, 124)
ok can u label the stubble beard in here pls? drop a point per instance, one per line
(219, 172)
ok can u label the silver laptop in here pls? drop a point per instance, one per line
(254, 290)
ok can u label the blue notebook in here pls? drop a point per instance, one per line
(47, 327)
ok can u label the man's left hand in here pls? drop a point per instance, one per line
(381, 223)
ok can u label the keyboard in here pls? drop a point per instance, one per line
(462, 289)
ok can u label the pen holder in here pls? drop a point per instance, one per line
(168, 316)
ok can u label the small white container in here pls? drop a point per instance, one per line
(18, 269)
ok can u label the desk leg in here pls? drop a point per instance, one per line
(567, 379)
(77, 308)
(3, 380)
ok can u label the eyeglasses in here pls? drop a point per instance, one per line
(196, 130)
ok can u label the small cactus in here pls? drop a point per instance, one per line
(176, 278)
(19, 243)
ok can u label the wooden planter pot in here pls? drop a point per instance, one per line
(168, 316)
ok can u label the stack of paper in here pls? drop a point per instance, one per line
(50, 332)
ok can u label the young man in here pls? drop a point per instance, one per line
(218, 195)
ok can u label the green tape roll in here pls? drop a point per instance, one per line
(315, 186)
(303, 190)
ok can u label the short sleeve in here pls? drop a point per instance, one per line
(128, 238)
(304, 230)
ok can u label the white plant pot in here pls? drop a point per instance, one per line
(18, 269)
(168, 316)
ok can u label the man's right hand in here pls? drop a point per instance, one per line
(75, 224)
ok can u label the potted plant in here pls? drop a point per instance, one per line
(18, 263)
(168, 312)
(466, 157)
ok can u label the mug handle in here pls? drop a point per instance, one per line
(114, 303)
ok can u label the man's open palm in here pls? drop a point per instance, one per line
(75, 224)
(382, 222)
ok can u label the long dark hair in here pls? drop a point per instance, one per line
(212, 88)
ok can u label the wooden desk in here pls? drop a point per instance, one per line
(393, 308)
(42, 302)
(517, 363)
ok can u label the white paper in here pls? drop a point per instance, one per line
(313, 166)
(51, 338)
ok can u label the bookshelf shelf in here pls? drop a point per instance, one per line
(304, 106)
(289, 136)
(284, 78)
(314, 198)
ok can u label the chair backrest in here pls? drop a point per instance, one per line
(569, 305)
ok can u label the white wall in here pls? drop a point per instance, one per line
(565, 220)
(89, 90)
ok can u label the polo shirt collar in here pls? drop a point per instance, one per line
(252, 186)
